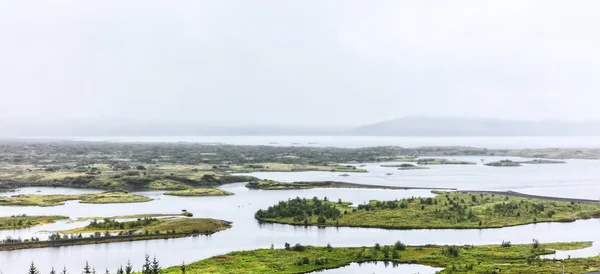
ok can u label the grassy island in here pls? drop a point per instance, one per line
(505, 258)
(113, 231)
(149, 225)
(24, 221)
(59, 199)
(542, 162)
(199, 192)
(446, 210)
(438, 161)
(274, 185)
(503, 163)
(282, 167)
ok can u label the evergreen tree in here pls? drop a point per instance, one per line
(155, 267)
(33, 269)
(183, 267)
(64, 270)
(52, 271)
(128, 268)
(107, 272)
(87, 269)
(146, 267)
(120, 270)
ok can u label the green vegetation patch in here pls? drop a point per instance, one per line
(151, 225)
(135, 216)
(542, 162)
(524, 258)
(439, 161)
(59, 199)
(24, 221)
(199, 192)
(274, 185)
(503, 163)
(446, 210)
(281, 167)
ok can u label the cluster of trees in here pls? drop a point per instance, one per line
(388, 252)
(149, 267)
(11, 240)
(109, 224)
(301, 210)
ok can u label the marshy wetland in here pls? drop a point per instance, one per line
(201, 174)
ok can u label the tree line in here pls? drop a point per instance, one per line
(149, 267)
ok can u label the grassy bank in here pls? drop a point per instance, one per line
(23, 221)
(59, 199)
(199, 192)
(446, 210)
(454, 259)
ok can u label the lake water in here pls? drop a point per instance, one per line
(577, 178)
(364, 141)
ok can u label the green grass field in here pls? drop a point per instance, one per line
(458, 259)
(446, 210)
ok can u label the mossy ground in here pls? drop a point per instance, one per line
(463, 259)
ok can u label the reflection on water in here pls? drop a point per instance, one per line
(247, 233)
(381, 268)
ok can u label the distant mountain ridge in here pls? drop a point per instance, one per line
(439, 126)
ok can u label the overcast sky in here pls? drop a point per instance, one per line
(298, 62)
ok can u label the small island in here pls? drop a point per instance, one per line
(281, 167)
(59, 199)
(110, 231)
(542, 162)
(410, 167)
(500, 258)
(274, 185)
(198, 192)
(451, 210)
(24, 221)
(504, 163)
(439, 161)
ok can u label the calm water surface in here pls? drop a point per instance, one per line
(578, 178)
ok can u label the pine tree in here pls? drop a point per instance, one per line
(183, 267)
(128, 268)
(155, 266)
(52, 271)
(146, 267)
(33, 269)
(64, 270)
(87, 269)
(107, 272)
(120, 270)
